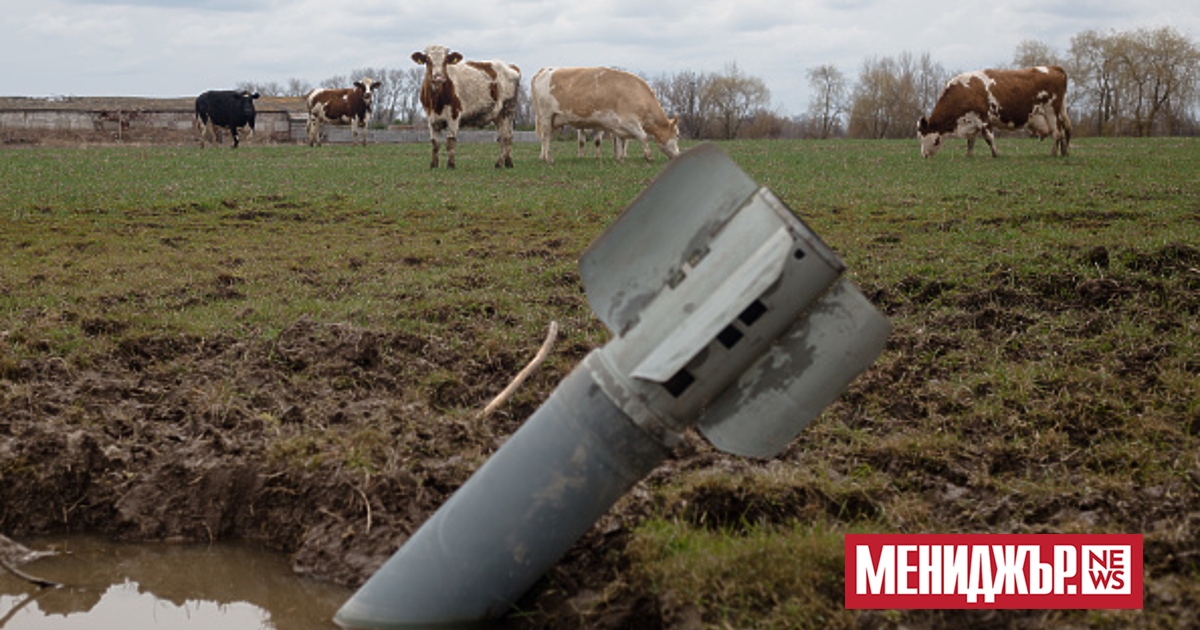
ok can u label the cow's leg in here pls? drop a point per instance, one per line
(451, 145)
(545, 132)
(504, 135)
(233, 132)
(646, 150)
(620, 148)
(970, 146)
(435, 138)
(581, 139)
(213, 133)
(1062, 132)
(991, 141)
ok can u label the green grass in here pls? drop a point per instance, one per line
(1041, 377)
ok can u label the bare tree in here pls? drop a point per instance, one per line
(680, 94)
(335, 82)
(1094, 69)
(1033, 52)
(731, 98)
(930, 79)
(269, 88)
(828, 103)
(892, 94)
(409, 81)
(1142, 81)
(297, 87)
(1156, 68)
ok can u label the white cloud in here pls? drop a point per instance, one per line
(182, 47)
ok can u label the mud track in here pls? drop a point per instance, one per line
(333, 443)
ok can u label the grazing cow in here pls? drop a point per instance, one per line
(617, 102)
(339, 107)
(975, 102)
(232, 109)
(472, 94)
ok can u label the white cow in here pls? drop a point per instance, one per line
(472, 94)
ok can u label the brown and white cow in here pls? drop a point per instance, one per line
(976, 102)
(467, 94)
(339, 107)
(617, 102)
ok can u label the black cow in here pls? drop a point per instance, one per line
(231, 109)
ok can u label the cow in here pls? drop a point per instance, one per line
(231, 109)
(455, 93)
(617, 102)
(976, 102)
(341, 106)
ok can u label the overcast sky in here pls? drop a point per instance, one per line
(170, 48)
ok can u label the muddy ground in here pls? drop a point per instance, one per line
(216, 438)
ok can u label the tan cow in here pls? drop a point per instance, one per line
(975, 102)
(617, 102)
(342, 106)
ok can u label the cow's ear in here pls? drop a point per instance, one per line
(454, 58)
(254, 95)
(420, 58)
(359, 85)
(922, 125)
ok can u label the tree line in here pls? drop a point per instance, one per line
(1139, 82)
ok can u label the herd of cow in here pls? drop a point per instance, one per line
(457, 93)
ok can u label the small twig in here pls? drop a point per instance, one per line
(542, 353)
(366, 502)
(37, 581)
(16, 609)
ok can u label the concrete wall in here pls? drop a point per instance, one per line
(32, 125)
(178, 126)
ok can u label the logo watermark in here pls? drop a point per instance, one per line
(994, 571)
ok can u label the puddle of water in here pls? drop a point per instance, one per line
(159, 586)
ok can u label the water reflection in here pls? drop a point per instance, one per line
(159, 586)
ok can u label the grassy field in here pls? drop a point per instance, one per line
(1042, 376)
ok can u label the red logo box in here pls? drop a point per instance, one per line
(895, 571)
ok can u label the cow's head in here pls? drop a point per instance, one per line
(931, 140)
(246, 98)
(671, 146)
(367, 87)
(435, 59)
